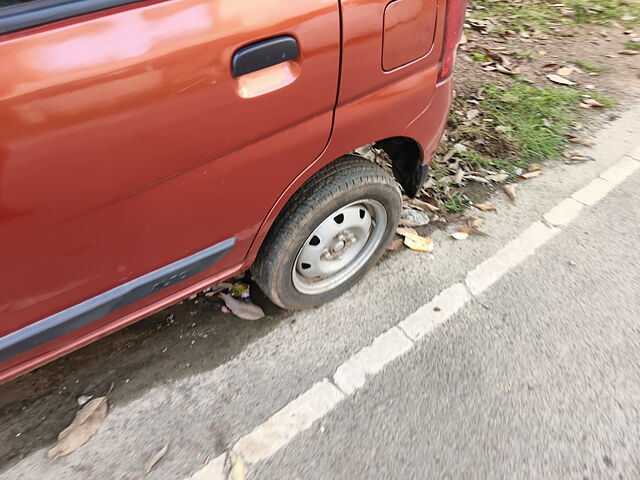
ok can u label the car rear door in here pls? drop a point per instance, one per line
(127, 143)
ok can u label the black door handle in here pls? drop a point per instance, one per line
(264, 54)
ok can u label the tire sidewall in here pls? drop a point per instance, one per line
(386, 194)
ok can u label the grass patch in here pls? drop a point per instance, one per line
(537, 118)
(632, 45)
(478, 57)
(524, 55)
(606, 101)
(528, 15)
(588, 67)
(456, 203)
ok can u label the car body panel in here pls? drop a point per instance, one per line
(181, 189)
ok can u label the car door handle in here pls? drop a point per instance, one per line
(264, 54)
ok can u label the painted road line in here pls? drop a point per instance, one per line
(300, 414)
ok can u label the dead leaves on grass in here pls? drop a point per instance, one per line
(560, 80)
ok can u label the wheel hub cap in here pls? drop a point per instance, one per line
(339, 246)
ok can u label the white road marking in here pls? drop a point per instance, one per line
(509, 256)
(295, 417)
(564, 213)
(620, 171)
(593, 192)
(430, 316)
(300, 414)
(352, 374)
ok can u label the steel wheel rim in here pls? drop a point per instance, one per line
(339, 247)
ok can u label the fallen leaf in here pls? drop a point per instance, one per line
(418, 243)
(423, 205)
(458, 176)
(498, 177)
(238, 470)
(471, 114)
(219, 287)
(582, 141)
(541, 52)
(560, 80)
(155, 458)
(395, 244)
(530, 175)
(484, 207)
(242, 309)
(533, 167)
(564, 71)
(475, 221)
(628, 52)
(455, 217)
(475, 178)
(471, 231)
(402, 231)
(84, 425)
(593, 103)
(460, 235)
(510, 190)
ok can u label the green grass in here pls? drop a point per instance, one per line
(632, 45)
(478, 57)
(478, 160)
(606, 101)
(589, 67)
(528, 15)
(456, 203)
(538, 117)
(524, 55)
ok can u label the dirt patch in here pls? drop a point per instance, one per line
(183, 340)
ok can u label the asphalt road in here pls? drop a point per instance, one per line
(535, 378)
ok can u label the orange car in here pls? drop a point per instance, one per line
(149, 149)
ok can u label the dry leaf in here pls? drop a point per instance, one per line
(475, 221)
(565, 71)
(560, 80)
(424, 205)
(471, 114)
(238, 470)
(155, 458)
(533, 167)
(530, 175)
(460, 235)
(593, 103)
(242, 309)
(476, 179)
(582, 141)
(395, 244)
(403, 231)
(628, 52)
(84, 425)
(458, 176)
(498, 177)
(418, 243)
(510, 190)
(471, 231)
(484, 207)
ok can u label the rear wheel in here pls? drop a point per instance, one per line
(332, 231)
